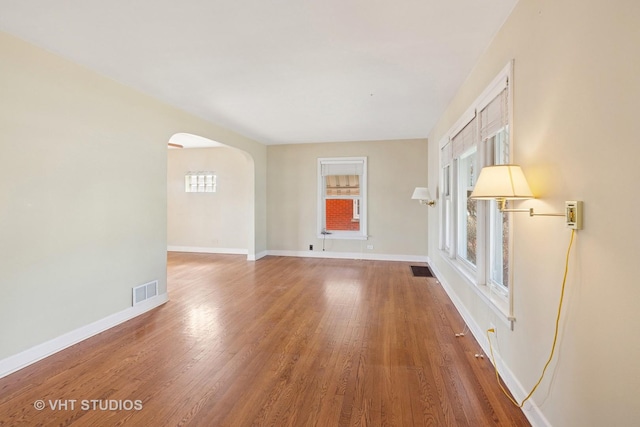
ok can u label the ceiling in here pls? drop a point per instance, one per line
(278, 71)
(187, 140)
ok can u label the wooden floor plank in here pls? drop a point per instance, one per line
(277, 342)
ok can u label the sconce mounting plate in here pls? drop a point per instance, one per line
(573, 214)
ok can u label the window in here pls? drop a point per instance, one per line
(200, 182)
(342, 197)
(475, 235)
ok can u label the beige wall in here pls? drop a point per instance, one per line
(576, 94)
(83, 196)
(213, 222)
(397, 224)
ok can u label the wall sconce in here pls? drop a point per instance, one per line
(507, 182)
(423, 194)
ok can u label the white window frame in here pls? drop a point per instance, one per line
(200, 182)
(361, 234)
(479, 276)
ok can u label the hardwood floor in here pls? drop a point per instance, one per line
(277, 342)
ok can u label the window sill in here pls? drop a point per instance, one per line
(342, 236)
(498, 303)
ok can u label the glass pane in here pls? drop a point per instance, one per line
(445, 221)
(499, 246)
(342, 185)
(446, 188)
(342, 215)
(472, 225)
(501, 147)
(499, 222)
(467, 215)
(446, 213)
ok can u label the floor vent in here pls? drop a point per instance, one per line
(144, 292)
(420, 271)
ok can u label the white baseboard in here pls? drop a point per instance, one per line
(21, 360)
(257, 256)
(350, 255)
(207, 250)
(530, 409)
(301, 254)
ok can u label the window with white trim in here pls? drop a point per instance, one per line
(342, 198)
(474, 234)
(200, 182)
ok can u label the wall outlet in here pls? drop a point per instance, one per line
(573, 213)
(310, 247)
(492, 326)
(369, 247)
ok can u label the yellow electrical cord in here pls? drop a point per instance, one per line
(555, 336)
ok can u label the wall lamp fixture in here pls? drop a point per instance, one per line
(423, 194)
(507, 182)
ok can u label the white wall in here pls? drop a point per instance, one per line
(576, 94)
(395, 168)
(83, 197)
(209, 222)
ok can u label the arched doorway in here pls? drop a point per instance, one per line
(216, 216)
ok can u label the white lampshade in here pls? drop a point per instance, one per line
(421, 193)
(506, 182)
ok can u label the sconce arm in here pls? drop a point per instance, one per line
(502, 203)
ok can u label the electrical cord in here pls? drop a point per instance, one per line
(324, 233)
(464, 331)
(555, 335)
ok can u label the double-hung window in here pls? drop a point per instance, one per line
(494, 134)
(342, 198)
(474, 234)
